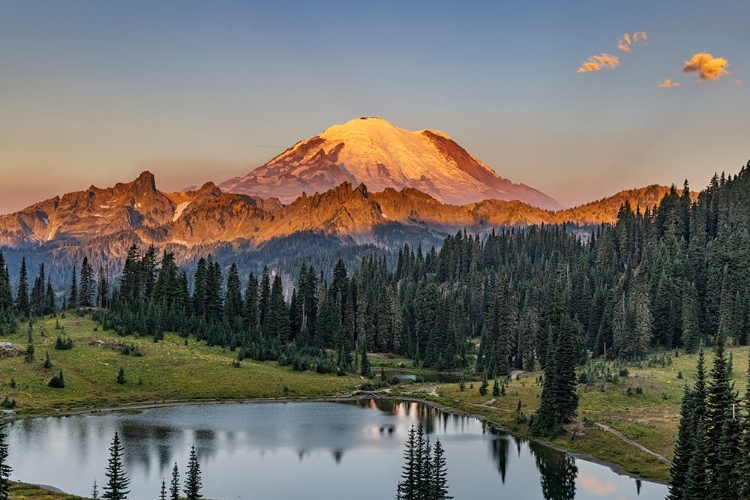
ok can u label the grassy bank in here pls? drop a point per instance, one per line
(21, 491)
(167, 370)
(642, 404)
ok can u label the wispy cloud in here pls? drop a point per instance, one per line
(595, 63)
(707, 66)
(738, 82)
(668, 83)
(625, 42)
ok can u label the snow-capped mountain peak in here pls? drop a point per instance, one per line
(373, 151)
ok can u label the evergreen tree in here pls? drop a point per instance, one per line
(683, 448)
(174, 484)
(193, 479)
(163, 492)
(73, 293)
(121, 376)
(87, 286)
(439, 489)
(407, 487)
(5, 469)
(22, 296)
(95, 491)
(117, 479)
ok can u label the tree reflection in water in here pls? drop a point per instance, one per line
(558, 471)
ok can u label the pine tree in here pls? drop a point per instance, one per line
(5, 469)
(163, 492)
(193, 479)
(407, 487)
(22, 296)
(121, 376)
(439, 490)
(683, 448)
(118, 481)
(174, 484)
(73, 294)
(95, 491)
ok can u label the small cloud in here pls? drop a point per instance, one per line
(626, 41)
(668, 83)
(595, 63)
(707, 66)
(738, 82)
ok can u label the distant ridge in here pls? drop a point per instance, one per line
(137, 211)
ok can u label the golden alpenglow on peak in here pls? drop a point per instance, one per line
(373, 151)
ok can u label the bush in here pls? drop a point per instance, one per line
(63, 344)
(57, 382)
(8, 403)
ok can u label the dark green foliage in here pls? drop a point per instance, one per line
(47, 362)
(63, 343)
(193, 478)
(95, 491)
(424, 473)
(174, 484)
(5, 468)
(22, 295)
(8, 403)
(57, 382)
(117, 479)
(163, 491)
(29, 354)
(121, 376)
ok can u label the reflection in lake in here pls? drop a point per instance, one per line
(304, 450)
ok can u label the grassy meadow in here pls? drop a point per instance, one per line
(640, 401)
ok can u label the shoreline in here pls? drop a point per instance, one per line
(616, 468)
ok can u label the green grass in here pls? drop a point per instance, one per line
(21, 491)
(167, 371)
(649, 418)
(170, 371)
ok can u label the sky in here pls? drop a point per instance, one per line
(577, 99)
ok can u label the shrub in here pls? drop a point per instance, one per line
(57, 382)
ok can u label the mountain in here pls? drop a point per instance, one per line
(374, 152)
(111, 219)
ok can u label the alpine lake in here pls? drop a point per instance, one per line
(303, 450)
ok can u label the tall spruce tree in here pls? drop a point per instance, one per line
(174, 484)
(193, 484)
(22, 295)
(5, 468)
(73, 292)
(117, 484)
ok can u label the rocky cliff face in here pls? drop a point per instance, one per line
(107, 221)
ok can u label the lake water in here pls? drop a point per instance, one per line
(303, 450)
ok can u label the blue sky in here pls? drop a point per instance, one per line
(95, 92)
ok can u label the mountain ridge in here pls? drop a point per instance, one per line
(352, 215)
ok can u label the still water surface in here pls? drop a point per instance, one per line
(303, 450)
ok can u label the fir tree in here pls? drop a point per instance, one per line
(439, 489)
(193, 479)
(73, 294)
(22, 296)
(117, 479)
(5, 469)
(174, 484)
(121, 376)
(163, 492)
(95, 491)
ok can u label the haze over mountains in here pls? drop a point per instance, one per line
(364, 182)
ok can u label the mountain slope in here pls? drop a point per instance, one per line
(374, 152)
(108, 220)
